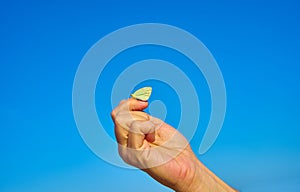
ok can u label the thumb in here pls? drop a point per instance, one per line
(132, 104)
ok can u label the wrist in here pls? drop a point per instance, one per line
(203, 180)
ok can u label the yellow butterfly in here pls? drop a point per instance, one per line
(142, 94)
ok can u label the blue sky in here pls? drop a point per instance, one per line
(256, 44)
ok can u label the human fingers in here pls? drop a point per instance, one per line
(130, 104)
(123, 122)
(138, 132)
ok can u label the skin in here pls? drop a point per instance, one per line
(160, 150)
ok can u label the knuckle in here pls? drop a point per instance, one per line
(122, 101)
(135, 125)
(113, 114)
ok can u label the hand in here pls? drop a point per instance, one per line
(160, 150)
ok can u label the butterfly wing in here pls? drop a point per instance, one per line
(142, 94)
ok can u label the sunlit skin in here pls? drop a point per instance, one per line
(160, 150)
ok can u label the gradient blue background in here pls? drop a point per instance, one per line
(256, 44)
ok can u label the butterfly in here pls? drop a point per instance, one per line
(142, 94)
